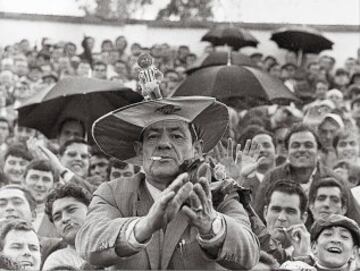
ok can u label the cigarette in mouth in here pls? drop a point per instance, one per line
(156, 158)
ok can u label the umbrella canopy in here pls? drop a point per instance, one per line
(85, 99)
(232, 36)
(221, 58)
(301, 38)
(223, 82)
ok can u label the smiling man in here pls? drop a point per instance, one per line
(303, 167)
(75, 156)
(39, 179)
(66, 207)
(161, 219)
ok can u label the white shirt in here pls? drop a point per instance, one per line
(64, 256)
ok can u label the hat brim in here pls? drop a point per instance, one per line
(116, 132)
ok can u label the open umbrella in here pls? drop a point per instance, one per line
(230, 35)
(301, 39)
(221, 58)
(85, 99)
(230, 81)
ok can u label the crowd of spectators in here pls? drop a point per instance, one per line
(312, 147)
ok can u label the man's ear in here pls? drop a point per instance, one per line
(33, 215)
(344, 209)
(314, 248)
(304, 217)
(198, 145)
(138, 147)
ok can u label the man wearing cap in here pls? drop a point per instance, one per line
(160, 219)
(334, 243)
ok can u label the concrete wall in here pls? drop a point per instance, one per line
(346, 40)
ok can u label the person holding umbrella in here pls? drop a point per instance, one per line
(164, 219)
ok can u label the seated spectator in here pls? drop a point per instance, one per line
(22, 134)
(341, 79)
(100, 70)
(39, 179)
(83, 69)
(349, 172)
(346, 145)
(66, 207)
(69, 129)
(327, 197)
(337, 97)
(119, 169)
(16, 160)
(285, 213)
(19, 242)
(16, 202)
(99, 163)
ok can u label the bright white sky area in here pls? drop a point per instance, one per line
(261, 11)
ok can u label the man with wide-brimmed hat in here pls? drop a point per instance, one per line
(161, 219)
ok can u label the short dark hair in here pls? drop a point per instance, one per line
(42, 165)
(288, 187)
(27, 194)
(74, 140)
(16, 225)
(327, 181)
(18, 150)
(301, 127)
(253, 130)
(343, 135)
(100, 63)
(63, 191)
(115, 163)
(61, 124)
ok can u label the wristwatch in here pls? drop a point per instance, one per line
(214, 230)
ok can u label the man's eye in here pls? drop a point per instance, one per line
(177, 136)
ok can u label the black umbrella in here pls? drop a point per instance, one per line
(85, 99)
(230, 81)
(303, 39)
(221, 58)
(232, 36)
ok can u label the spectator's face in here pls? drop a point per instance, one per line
(68, 215)
(39, 183)
(14, 168)
(275, 71)
(320, 90)
(121, 69)
(183, 52)
(35, 75)
(98, 166)
(76, 158)
(106, 47)
(23, 247)
(22, 134)
(190, 60)
(350, 64)
(280, 135)
(303, 150)
(171, 140)
(4, 131)
(135, 50)
(70, 49)
(69, 130)
(84, 69)
(99, 72)
(121, 43)
(334, 247)
(348, 148)
(6, 79)
(126, 172)
(22, 91)
(342, 79)
(14, 205)
(267, 150)
(282, 212)
(327, 202)
(314, 69)
(21, 68)
(24, 46)
(90, 42)
(327, 131)
(326, 63)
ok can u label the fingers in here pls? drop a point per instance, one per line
(203, 198)
(205, 186)
(221, 149)
(247, 146)
(165, 199)
(254, 148)
(238, 154)
(183, 193)
(195, 202)
(178, 182)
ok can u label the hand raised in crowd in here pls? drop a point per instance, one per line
(165, 208)
(244, 163)
(201, 212)
(299, 237)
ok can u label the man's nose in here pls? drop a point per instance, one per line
(282, 216)
(164, 141)
(65, 218)
(326, 202)
(10, 207)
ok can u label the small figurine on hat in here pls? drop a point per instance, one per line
(149, 77)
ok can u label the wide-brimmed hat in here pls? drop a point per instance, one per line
(116, 132)
(332, 221)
